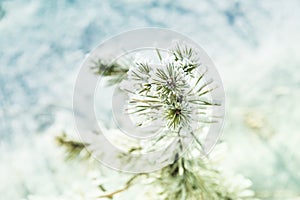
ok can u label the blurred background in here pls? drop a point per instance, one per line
(254, 44)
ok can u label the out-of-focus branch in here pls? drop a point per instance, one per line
(128, 184)
(73, 148)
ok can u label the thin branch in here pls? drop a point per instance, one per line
(126, 187)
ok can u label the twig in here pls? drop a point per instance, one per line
(127, 185)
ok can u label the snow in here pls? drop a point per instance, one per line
(254, 44)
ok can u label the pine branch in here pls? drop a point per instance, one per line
(170, 92)
(74, 149)
(191, 179)
(115, 71)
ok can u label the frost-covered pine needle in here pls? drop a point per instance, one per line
(173, 91)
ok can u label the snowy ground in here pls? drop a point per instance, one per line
(255, 45)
